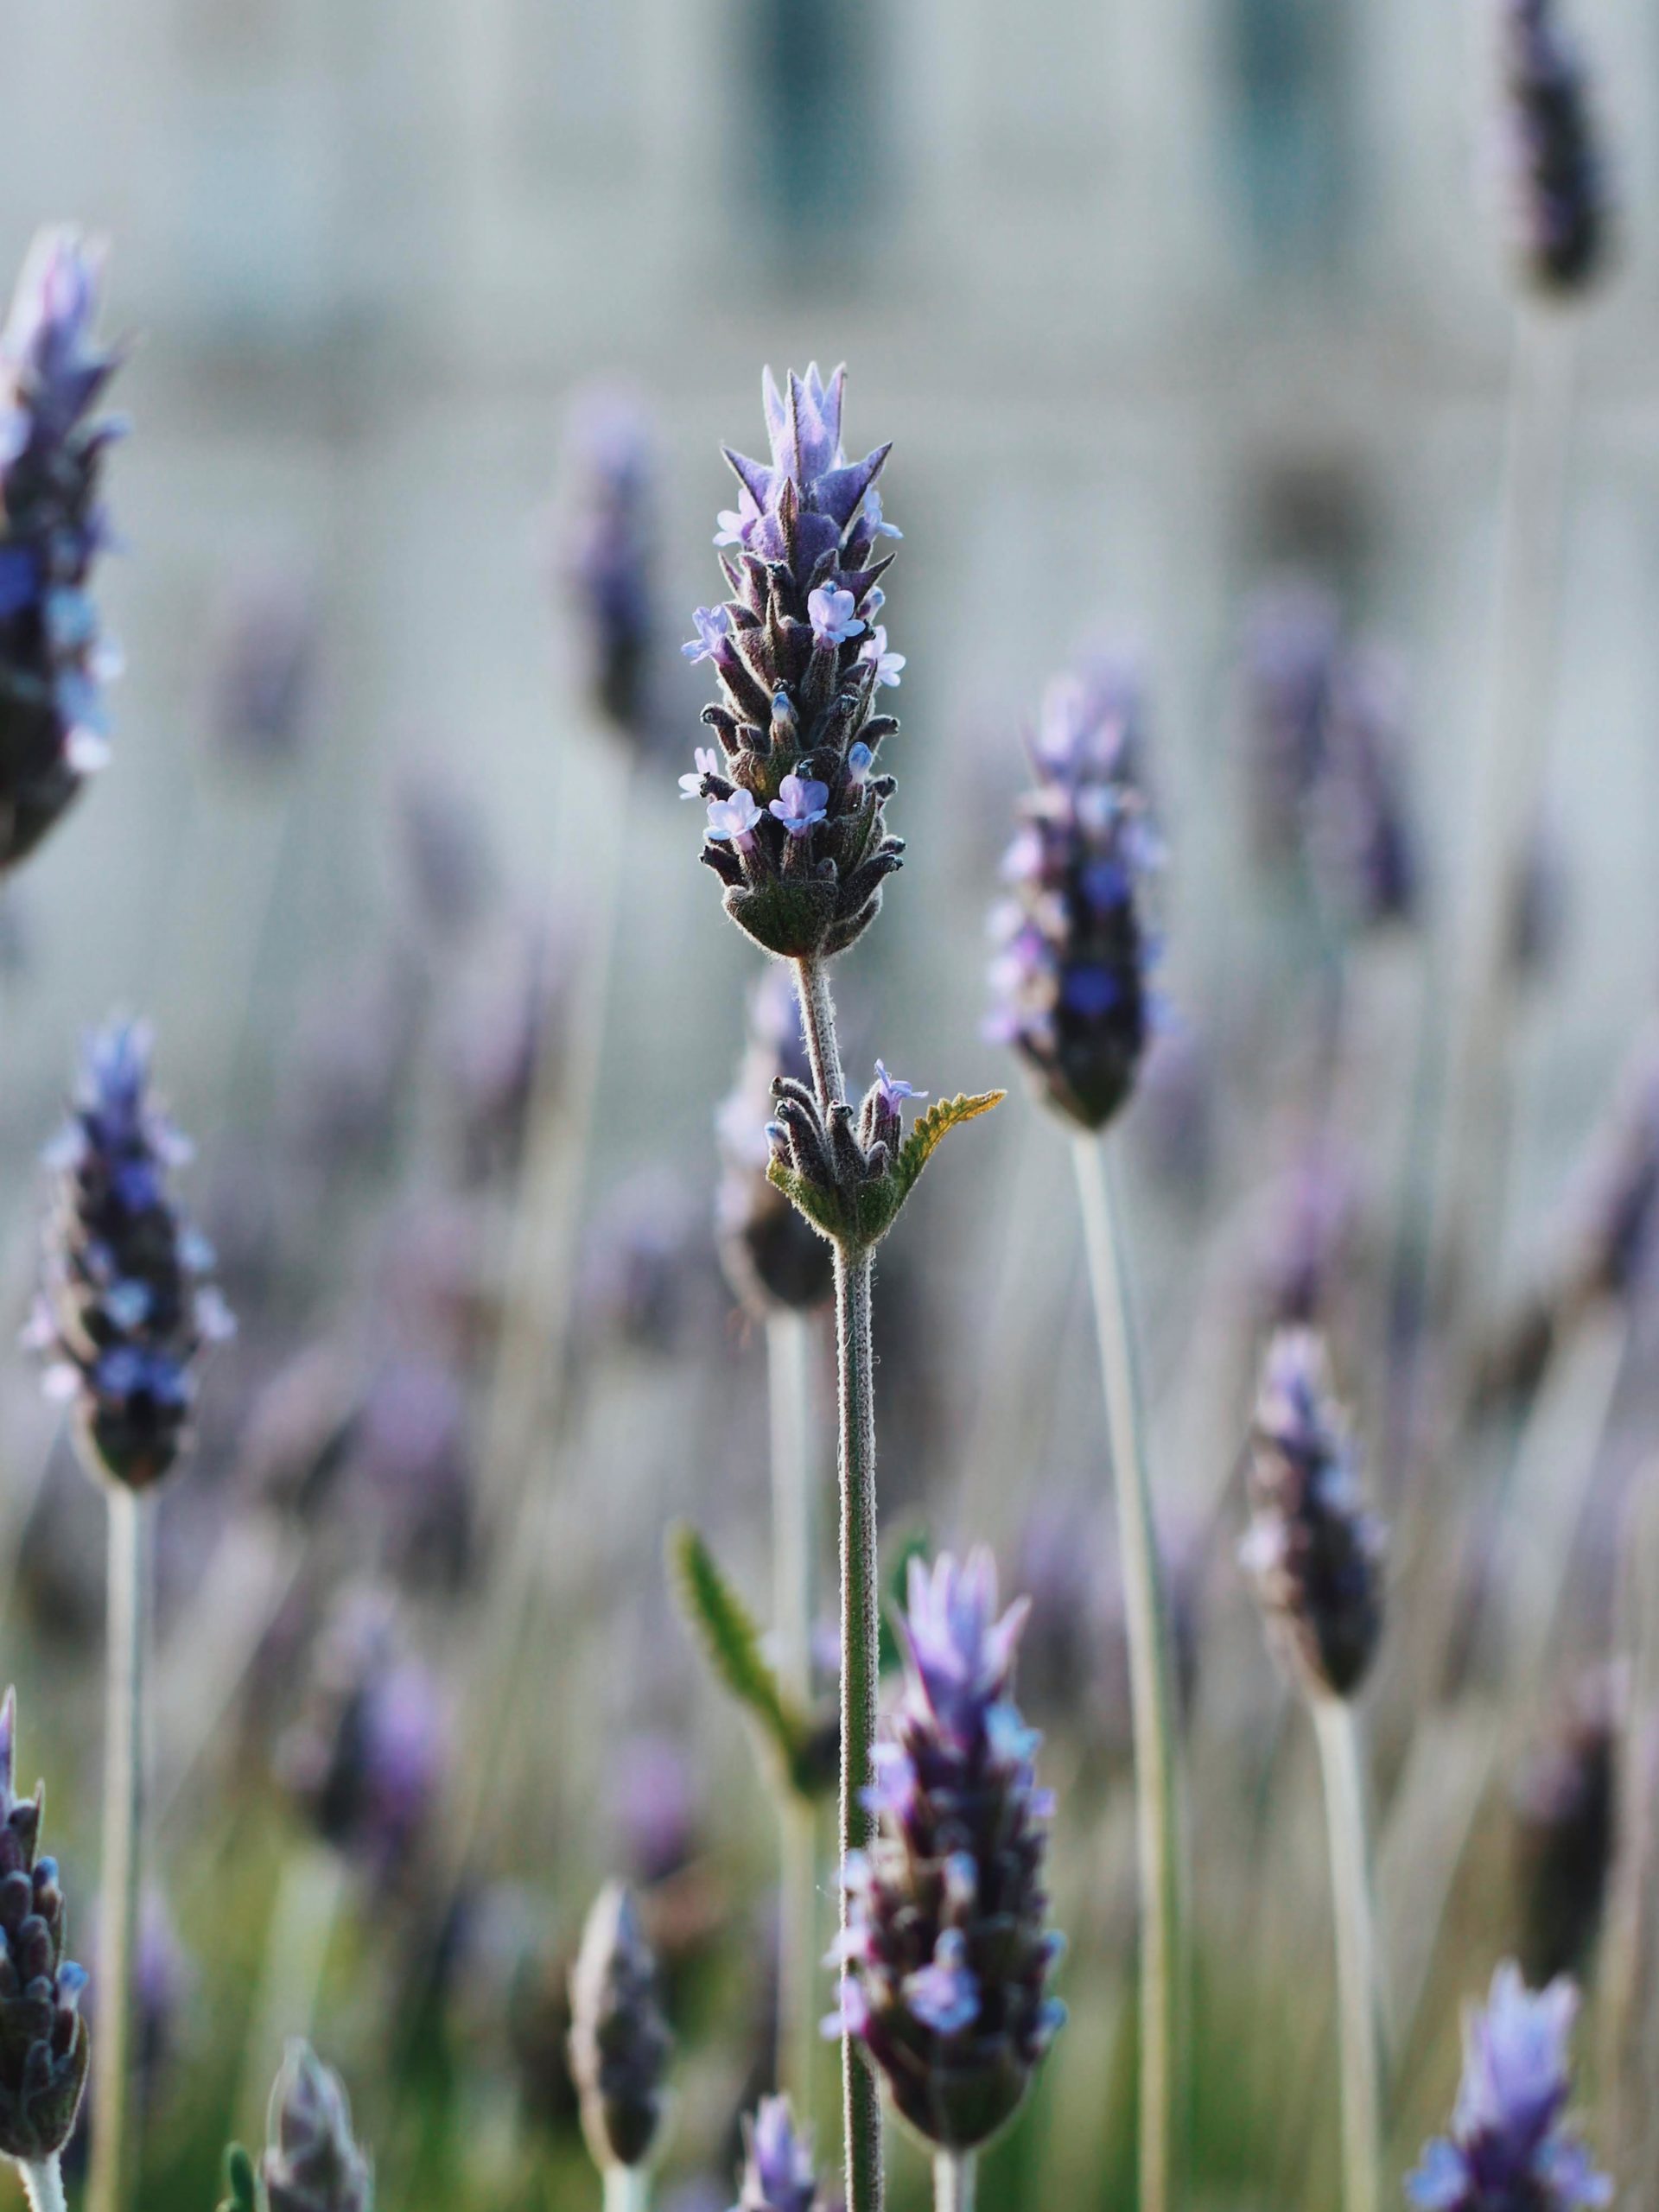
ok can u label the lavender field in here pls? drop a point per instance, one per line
(830, 1107)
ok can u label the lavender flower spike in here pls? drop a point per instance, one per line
(778, 2174)
(1314, 1553)
(1557, 186)
(611, 556)
(619, 2041)
(1069, 983)
(946, 1956)
(125, 1310)
(53, 731)
(796, 684)
(312, 2163)
(772, 1255)
(1509, 2148)
(44, 2041)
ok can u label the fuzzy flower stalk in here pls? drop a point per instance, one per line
(52, 662)
(796, 831)
(1073, 994)
(124, 1316)
(1509, 2147)
(44, 2041)
(946, 1957)
(1557, 184)
(619, 2046)
(1315, 1555)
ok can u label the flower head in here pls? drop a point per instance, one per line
(778, 2174)
(125, 1309)
(312, 2163)
(1508, 2146)
(797, 690)
(1313, 1551)
(619, 2041)
(886, 665)
(735, 818)
(1565, 1817)
(1557, 184)
(53, 663)
(946, 1953)
(772, 1257)
(708, 764)
(609, 555)
(44, 2041)
(1070, 979)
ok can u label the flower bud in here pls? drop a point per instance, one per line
(777, 2173)
(312, 2163)
(1557, 189)
(772, 1257)
(619, 2041)
(44, 2047)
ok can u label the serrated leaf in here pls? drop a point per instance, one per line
(821, 1208)
(731, 1642)
(241, 2189)
(929, 1129)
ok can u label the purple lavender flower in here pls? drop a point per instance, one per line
(610, 557)
(886, 665)
(44, 2047)
(797, 691)
(1557, 186)
(53, 664)
(946, 1956)
(1509, 2148)
(263, 664)
(619, 2042)
(1360, 839)
(735, 818)
(125, 1310)
(830, 612)
(312, 2163)
(708, 764)
(778, 2174)
(800, 804)
(366, 1759)
(1313, 1551)
(712, 625)
(1069, 982)
(1293, 640)
(773, 1256)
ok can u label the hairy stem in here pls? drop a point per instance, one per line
(1351, 1897)
(955, 2173)
(1158, 1833)
(113, 2046)
(859, 1649)
(43, 2185)
(789, 1344)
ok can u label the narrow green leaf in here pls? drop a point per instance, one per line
(909, 1543)
(241, 2189)
(731, 1642)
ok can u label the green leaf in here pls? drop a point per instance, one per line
(909, 1543)
(241, 2190)
(928, 1131)
(731, 1642)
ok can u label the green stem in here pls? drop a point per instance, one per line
(628, 2189)
(788, 1348)
(1351, 1897)
(1157, 1809)
(955, 2174)
(112, 2048)
(859, 1648)
(43, 2185)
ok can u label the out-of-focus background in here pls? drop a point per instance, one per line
(1157, 305)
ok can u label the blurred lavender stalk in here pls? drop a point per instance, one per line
(124, 1314)
(1316, 1557)
(619, 2048)
(781, 1269)
(1560, 220)
(1072, 996)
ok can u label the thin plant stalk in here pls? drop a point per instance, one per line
(859, 1648)
(1508, 784)
(789, 1343)
(1157, 1831)
(628, 2189)
(113, 2046)
(1350, 1899)
(43, 2185)
(955, 2174)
